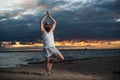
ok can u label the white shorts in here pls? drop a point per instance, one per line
(50, 51)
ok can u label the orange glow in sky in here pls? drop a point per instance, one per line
(90, 44)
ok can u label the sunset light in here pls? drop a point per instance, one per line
(79, 44)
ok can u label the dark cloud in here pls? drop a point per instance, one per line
(98, 31)
(75, 20)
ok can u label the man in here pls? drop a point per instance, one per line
(48, 42)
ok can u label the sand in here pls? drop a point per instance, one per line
(82, 69)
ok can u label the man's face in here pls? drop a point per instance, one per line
(47, 26)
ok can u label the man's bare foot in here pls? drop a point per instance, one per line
(49, 73)
(50, 66)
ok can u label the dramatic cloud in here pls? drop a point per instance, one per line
(118, 20)
(76, 19)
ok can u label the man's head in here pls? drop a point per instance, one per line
(47, 26)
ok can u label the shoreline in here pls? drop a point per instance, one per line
(40, 50)
(107, 68)
(67, 60)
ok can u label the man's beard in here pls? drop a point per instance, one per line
(47, 29)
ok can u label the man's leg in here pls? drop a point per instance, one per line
(47, 65)
(59, 58)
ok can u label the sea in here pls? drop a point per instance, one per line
(24, 58)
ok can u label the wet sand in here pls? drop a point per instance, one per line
(82, 69)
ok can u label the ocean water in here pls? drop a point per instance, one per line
(16, 58)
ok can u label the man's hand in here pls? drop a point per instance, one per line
(47, 13)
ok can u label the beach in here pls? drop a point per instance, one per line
(80, 69)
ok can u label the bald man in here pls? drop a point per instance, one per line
(49, 48)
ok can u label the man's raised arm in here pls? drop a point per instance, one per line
(41, 22)
(53, 21)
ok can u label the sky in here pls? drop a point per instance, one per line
(76, 19)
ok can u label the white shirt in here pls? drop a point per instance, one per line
(48, 39)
